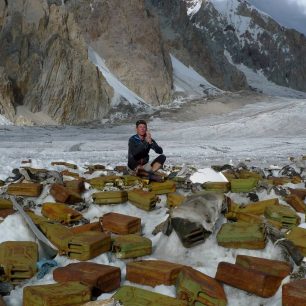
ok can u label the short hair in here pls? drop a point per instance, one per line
(141, 122)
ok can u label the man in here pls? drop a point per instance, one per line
(139, 148)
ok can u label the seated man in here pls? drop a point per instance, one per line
(138, 157)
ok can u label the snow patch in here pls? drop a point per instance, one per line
(207, 175)
(4, 121)
(120, 90)
(189, 82)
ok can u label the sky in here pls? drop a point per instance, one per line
(289, 13)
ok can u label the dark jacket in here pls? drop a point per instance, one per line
(139, 151)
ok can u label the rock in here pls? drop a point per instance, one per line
(6, 96)
(134, 53)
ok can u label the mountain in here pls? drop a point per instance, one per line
(78, 61)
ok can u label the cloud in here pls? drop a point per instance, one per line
(289, 13)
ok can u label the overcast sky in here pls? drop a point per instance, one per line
(289, 13)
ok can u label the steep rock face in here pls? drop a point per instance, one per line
(253, 38)
(6, 96)
(193, 46)
(45, 57)
(129, 40)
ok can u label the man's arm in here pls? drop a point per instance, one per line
(137, 148)
(156, 147)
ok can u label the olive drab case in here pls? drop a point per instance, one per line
(217, 186)
(190, 233)
(68, 165)
(132, 296)
(76, 186)
(87, 245)
(294, 293)
(257, 208)
(64, 294)
(283, 214)
(243, 185)
(81, 246)
(25, 189)
(18, 260)
(297, 236)
(5, 203)
(241, 235)
(131, 246)
(102, 277)
(64, 195)
(100, 182)
(94, 226)
(162, 187)
(199, 289)
(145, 200)
(175, 199)
(120, 224)
(110, 197)
(60, 212)
(153, 272)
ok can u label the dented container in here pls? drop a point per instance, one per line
(64, 294)
(64, 195)
(175, 199)
(132, 296)
(294, 293)
(25, 189)
(273, 267)
(189, 233)
(77, 186)
(199, 289)
(283, 214)
(94, 226)
(296, 202)
(241, 235)
(145, 200)
(217, 186)
(60, 212)
(131, 246)
(100, 182)
(110, 197)
(121, 224)
(87, 245)
(243, 185)
(297, 236)
(18, 260)
(153, 272)
(162, 187)
(250, 280)
(102, 277)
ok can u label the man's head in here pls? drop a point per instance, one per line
(141, 128)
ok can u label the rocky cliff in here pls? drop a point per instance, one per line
(252, 38)
(44, 45)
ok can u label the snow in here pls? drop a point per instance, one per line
(207, 175)
(120, 90)
(260, 134)
(194, 7)
(259, 82)
(4, 121)
(189, 82)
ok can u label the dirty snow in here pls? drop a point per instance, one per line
(264, 133)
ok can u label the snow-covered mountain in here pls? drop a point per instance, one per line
(150, 53)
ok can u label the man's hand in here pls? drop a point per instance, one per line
(148, 138)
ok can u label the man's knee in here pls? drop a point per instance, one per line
(161, 159)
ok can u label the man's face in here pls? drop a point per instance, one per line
(141, 130)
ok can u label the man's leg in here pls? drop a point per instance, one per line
(158, 162)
